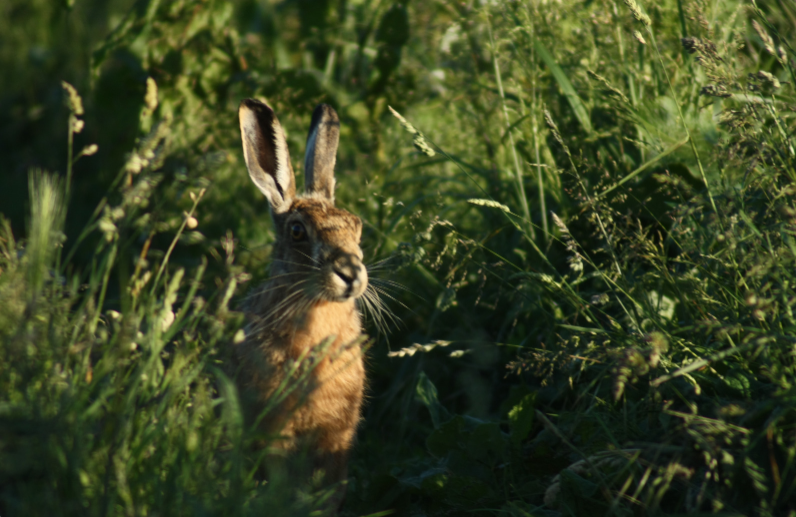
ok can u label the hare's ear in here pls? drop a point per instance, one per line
(265, 151)
(322, 152)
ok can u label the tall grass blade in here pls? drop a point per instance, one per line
(517, 168)
(567, 89)
(646, 165)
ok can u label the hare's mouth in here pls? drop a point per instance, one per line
(345, 283)
(341, 288)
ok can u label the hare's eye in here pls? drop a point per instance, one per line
(297, 232)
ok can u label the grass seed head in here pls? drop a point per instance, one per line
(715, 90)
(554, 129)
(419, 140)
(767, 82)
(46, 219)
(89, 150)
(491, 203)
(637, 14)
(421, 145)
(73, 99)
(612, 90)
(151, 98)
(560, 224)
(405, 123)
(768, 42)
(703, 50)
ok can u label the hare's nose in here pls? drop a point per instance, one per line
(351, 271)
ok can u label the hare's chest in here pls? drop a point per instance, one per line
(330, 409)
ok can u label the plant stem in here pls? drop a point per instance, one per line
(520, 186)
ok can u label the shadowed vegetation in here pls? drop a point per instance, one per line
(580, 214)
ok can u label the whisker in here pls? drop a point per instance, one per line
(282, 275)
(285, 302)
(387, 314)
(375, 313)
(391, 297)
(295, 310)
(313, 266)
(268, 289)
(312, 259)
(382, 282)
(378, 310)
(377, 269)
(374, 292)
(371, 306)
(383, 261)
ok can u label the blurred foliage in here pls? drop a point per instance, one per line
(587, 240)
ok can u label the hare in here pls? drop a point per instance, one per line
(309, 303)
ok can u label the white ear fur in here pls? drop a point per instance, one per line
(321, 154)
(266, 154)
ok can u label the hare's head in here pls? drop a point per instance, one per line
(317, 245)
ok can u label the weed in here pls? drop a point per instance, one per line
(587, 243)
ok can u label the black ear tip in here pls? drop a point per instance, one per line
(325, 113)
(262, 112)
(255, 106)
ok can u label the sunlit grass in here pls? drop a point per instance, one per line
(585, 242)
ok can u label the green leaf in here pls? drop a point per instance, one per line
(427, 393)
(487, 443)
(465, 492)
(576, 494)
(757, 475)
(449, 436)
(738, 381)
(521, 418)
(231, 413)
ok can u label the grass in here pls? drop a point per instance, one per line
(587, 236)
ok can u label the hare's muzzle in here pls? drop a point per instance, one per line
(349, 278)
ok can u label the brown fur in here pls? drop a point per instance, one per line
(324, 414)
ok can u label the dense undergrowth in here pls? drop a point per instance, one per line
(580, 213)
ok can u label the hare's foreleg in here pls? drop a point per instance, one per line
(334, 466)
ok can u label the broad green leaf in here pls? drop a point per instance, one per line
(521, 418)
(427, 393)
